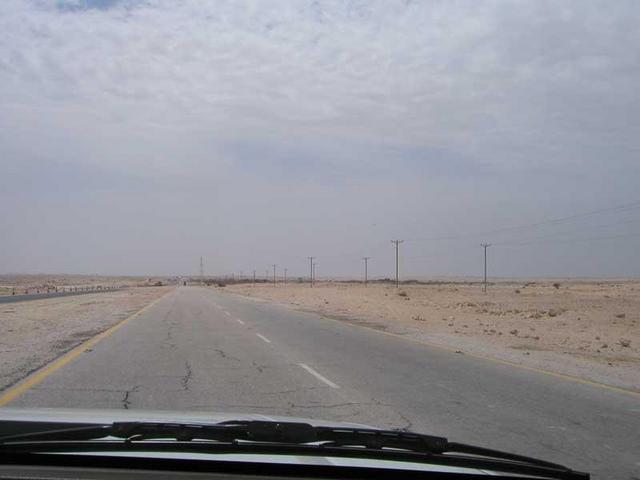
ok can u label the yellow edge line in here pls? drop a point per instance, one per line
(71, 355)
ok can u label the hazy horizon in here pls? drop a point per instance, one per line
(139, 135)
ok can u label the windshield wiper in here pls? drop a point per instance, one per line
(249, 431)
(281, 437)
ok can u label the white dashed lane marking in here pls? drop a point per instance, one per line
(318, 376)
(262, 337)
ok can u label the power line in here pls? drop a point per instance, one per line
(561, 235)
(569, 240)
(553, 221)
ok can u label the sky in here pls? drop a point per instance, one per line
(138, 135)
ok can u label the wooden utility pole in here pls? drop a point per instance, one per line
(274, 273)
(485, 246)
(366, 260)
(311, 270)
(397, 244)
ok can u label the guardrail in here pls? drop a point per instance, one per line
(55, 292)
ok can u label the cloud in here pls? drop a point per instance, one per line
(412, 100)
(465, 77)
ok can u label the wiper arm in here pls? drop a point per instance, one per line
(287, 433)
(248, 431)
(281, 437)
(257, 431)
(91, 432)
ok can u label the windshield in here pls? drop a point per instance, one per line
(413, 216)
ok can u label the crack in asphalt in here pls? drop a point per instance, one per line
(258, 367)
(333, 405)
(171, 324)
(125, 400)
(409, 424)
(187, 376)
(225, 355)
(295, 390)
(234, 406)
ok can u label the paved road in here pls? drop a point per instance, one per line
(203, 350)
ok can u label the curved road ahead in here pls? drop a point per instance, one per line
(197, 349)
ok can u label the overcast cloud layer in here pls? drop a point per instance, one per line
(136, 136)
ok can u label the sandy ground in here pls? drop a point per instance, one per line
(590, 330)
(35, 332)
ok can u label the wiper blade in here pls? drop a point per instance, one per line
(258, 431)
(91, 432)
(283, 437)
(248, 431)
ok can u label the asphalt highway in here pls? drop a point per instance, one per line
(199, 349)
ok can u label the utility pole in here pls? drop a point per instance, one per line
(254, 278)
(285, 276)
(274, 273)
(311, 270)
(485, 246)
(366, 261)
(201, 271)
(397, 244)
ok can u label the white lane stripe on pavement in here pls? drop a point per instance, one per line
(318, 376)
(239, 321)
(227, 313)
(262, 337)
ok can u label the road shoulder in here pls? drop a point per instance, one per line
(623, 375)
(35, 333)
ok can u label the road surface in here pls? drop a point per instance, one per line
(198, 349)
